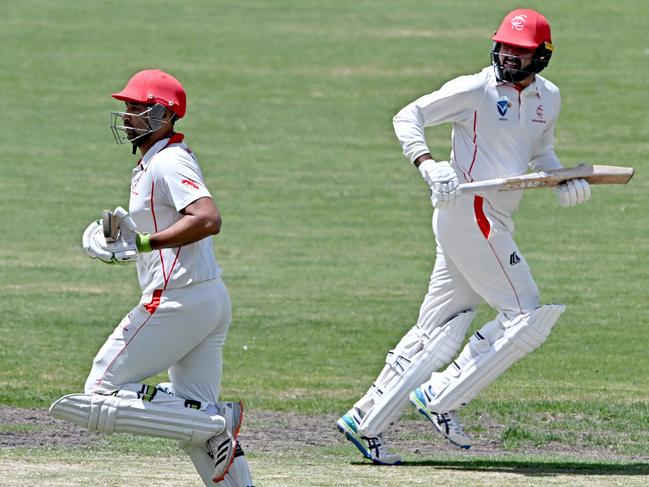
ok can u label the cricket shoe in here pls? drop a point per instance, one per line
(222, 448)
(373, 448)
(446, 423)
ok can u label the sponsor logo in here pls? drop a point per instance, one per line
(514, 259)
(518, 22)
(189, 182)
(503, 105)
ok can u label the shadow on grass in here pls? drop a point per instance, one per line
(539, 468)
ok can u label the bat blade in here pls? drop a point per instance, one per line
(594, 174)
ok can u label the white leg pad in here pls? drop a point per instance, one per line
(112, 414)
(407, 367)
(522, 335)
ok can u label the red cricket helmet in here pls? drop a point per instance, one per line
(524, 28)
(153, 86)
(528, 29)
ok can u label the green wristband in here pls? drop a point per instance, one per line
(143, 242)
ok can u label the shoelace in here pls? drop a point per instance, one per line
(449, 421)
(376, 443)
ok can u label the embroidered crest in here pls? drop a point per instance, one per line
(518, 22)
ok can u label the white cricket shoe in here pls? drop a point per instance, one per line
(446, 423)
(222, 447)
(372, 448)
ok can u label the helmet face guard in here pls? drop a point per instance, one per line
(152, 118)
(540, 60)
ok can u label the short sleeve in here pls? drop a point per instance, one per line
(179, 178)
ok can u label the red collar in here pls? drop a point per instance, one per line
(175, 138)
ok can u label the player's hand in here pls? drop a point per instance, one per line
(126, 243)
(443, 182)
(94, 243)
(573, 192)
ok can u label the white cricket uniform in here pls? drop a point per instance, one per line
(182, 319)
(498, 131)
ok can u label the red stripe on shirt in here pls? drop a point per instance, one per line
(475, 145)
(155, 229)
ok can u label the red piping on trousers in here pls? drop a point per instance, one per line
(151, 307)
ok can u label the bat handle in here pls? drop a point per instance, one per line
(109, 225)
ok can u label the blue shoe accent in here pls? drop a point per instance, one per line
(347, 425)
(418, 400)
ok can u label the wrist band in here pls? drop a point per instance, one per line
(143, 242)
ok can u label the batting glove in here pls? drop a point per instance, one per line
(573, 192)
(443, 182)
(125, 246)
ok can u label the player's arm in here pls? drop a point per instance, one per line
(201, 219)
(544, 158)
(453, 102)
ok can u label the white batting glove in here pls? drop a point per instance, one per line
(443, 182)
(94, 243)
(125, 247)
(573, 192)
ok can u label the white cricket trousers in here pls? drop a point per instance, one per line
(477, 259)
(179, 330)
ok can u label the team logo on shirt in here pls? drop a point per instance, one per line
(539, 115)
(503, 105)
(518, 22)
(190, 183)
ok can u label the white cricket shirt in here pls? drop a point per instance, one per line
(165, 181)
(498, 131)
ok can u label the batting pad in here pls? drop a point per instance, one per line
(111, 414)
(406, 369)
(522, 335)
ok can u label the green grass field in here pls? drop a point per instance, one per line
(326, 245)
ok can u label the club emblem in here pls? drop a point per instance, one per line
(539, 111)
(518, 22)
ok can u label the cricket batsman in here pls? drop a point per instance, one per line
(182, 319)
(503, 120)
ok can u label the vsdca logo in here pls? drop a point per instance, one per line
(518, 22)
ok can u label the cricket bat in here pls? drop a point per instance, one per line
(594, 174)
